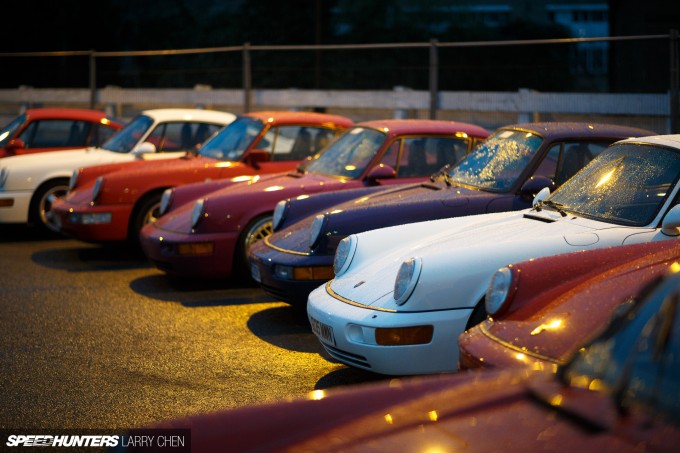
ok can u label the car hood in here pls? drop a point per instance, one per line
(26, 171)
(459, 255)
(555, 330)
(231, 208)
(479, 412)
(404, 204)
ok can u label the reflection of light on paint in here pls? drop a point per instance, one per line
(4, 135)
(388, 419)
(361, 200)
(224, 164)
(103, 121)
(675, 267)
(529, 134)
(461, 135)
(188, 117)
(556, 400)
(336, 211)
(302, 197)
(317, 395)
(590, 126)
(273, 188)
(241, 178)
(556, 324)
(521, 357)
(605, 178)
(432, 415)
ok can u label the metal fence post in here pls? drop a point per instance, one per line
(93, 79)
(434, 78)
(247, 78)
(674, 83)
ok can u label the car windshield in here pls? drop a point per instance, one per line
(9, 130)
(129, 136)
(498, 162)
(233, 141)
(626, 184)
(349, 155)
(637, 360)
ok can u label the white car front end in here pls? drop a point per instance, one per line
(442, 269)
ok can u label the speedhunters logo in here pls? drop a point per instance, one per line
(136, 440)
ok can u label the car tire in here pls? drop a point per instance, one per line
(257, 229)
(39, 211)
(146, 211)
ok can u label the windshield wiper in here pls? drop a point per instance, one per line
(442, 173)
(551, 205)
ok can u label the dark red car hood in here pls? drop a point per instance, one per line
(483, 411)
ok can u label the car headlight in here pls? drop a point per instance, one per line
(197, 212)
(74, 179)
(407, 278)
(317, 228)
(280, 212)
(98, 184)
(3, 177)
(344, 254)
(166, 200)
(498, 291)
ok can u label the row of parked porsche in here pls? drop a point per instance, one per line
(416, 247)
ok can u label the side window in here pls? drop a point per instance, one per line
(392, 154)
(180, 136)
(424, 156)
(99, 134)
(548, 166)
(54, 134)
(295, 142)
(575, 156)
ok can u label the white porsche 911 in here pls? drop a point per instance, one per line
(402, 295)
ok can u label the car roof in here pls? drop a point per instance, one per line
(213, 116)
(566, 130)
(65, 113)
(672, 141)
(290, 117)
(418, 126)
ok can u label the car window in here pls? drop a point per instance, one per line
(294, 142)
(423, 156)
(637, 361)
(54, 134)
(8, 131)
(99, 134)
(177, 136)
(626, 184)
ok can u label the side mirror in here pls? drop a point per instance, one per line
(534, 185)
(14, 145)
(543, 194)
(671, 222)
(256, 157)
(144, 148)
(380, 171)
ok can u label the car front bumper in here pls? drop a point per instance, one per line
(347, 332)
(14, 206)
(162, 248)
(108, 223)
(264, 261)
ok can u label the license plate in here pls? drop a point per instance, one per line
(323, 331)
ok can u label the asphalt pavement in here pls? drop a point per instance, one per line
(93, 337)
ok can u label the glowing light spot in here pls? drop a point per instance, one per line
(675, 267)
(161, 239)
(302, 197)
(556, 400)
(605, 178)
(350, 167)
(388, 419)
(226, 164)
(433, 416)
(461, 134)
(552, 325)
(336, 211)
(103, 121)
(242, 178)
(521, 357)
(273, 188)
(317, 395)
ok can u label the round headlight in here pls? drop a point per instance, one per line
(344, 254)
(316, 229)
(280, 212)
(166, 200)
(197, 212)
(98, 184)
(498, 290)
(406, 280)
(74, 179)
